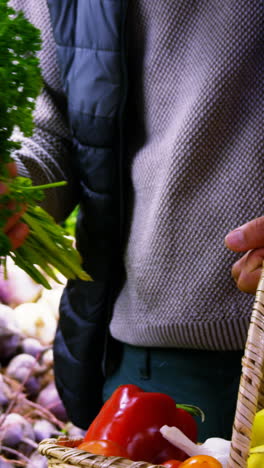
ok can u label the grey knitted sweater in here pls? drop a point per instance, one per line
(195, 148)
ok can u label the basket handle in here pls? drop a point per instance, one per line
(251, 388)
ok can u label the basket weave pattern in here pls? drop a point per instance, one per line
(62, 453)
(251, 389)
(66, 455)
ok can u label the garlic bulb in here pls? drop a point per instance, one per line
(18, 287)
(215, 446)
(36, 320)
(50, 299)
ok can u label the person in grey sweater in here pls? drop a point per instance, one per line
(194, 146)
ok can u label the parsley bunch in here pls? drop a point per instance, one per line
(48, 246)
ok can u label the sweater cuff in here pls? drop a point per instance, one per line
(21, 168)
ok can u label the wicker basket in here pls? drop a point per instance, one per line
(62, 452)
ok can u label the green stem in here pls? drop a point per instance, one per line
(45, 186)
(193, 410)
(33, 250)
(21, 262)
(67, 258)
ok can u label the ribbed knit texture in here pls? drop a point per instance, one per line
(195, 143)
(195, 156)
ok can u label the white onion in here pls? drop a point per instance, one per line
(8, 322)
(35, 320)
(18, 288)
(50, 299)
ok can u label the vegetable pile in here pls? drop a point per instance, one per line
(48, 247)
(30, 407)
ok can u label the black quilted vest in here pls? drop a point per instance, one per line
(91, 52)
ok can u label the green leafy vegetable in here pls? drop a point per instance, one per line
(48, 247)
(70, 223)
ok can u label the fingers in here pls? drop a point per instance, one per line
(17, 234)
(13, 220)
(12, 169)
(246, 271)
(246, 237)
(16, 230)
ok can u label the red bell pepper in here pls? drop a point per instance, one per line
(133, 418)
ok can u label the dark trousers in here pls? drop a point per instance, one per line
(208, 379)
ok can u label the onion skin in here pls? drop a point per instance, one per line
(22, 368)
(3, 401)
(10, 336)
(37, 461)
(4, 291)
(9, 346)
(5, 393)
(14, 429)
(49, 398)
(18, 288)
(36, 321)
(4, 464)
(11, 435)
(32, 346)
(44, 430)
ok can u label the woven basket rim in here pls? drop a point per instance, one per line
(76, 457)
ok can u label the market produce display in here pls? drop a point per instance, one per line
(47, 248)
(133, 424)
(30, 407)
(128, 429)
(130, 425)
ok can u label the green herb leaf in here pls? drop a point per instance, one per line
(48, 247)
